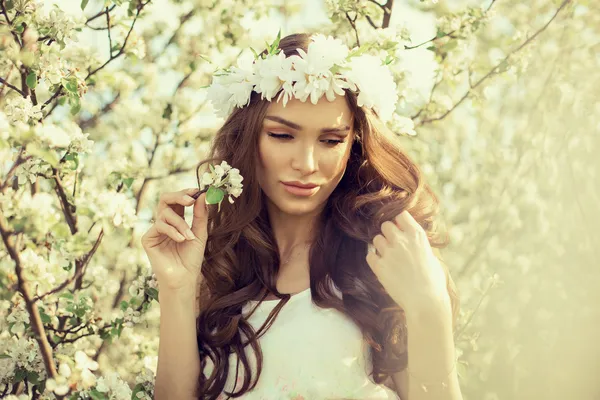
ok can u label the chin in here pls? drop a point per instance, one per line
(293, 208)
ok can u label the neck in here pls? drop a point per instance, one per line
(293, 232)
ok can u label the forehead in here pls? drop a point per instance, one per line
(324, 114)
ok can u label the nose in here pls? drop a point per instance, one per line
(305, 159)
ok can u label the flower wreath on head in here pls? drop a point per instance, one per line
(327, 68)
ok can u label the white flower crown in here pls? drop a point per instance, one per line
(327, 69)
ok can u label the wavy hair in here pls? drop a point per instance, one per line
(241, 260)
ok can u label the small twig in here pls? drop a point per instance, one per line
(20, 160)
(497, 66)
(5, 83)
(353, 24)
(5, 12)
(64, 202)
(371, 22)
(79, 269)
(448, 34)
(101, 13)
(109, 35)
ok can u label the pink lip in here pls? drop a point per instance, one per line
(300, 184)
(300, 191)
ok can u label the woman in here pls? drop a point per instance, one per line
(304, 292)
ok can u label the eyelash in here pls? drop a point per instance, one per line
(285, 136)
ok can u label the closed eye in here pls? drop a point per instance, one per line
(286, 136)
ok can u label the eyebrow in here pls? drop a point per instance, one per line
(297, 127)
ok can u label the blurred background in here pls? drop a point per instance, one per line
(499, 107)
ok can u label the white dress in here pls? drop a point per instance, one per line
(309, 353)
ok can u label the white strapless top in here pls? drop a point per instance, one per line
(309, 353)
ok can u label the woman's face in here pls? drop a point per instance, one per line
(304, 142)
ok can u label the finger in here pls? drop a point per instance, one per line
(174, 200)
(391, 232)
(381, 244)
(164, 228)
(175, 220)
(200, 218)
(373, 261)
(406, 222)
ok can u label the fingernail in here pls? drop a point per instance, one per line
(190, 235)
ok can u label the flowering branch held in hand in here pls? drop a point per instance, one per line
(222, 179)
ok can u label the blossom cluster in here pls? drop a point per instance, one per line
(327, 69)
(225, 179)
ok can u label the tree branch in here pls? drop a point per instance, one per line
(451, 33)
(387, 14)
(353, 24)
(497, 66)
(5, 83)
(32, 309)
(20, 160)
(79, 269)
(100, 14)
(68, 208)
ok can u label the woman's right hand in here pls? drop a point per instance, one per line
(175, 255)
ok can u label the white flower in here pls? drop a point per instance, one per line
(224, 177)
(403, 125)
(267, 75)
(60, 384)
(323, 53)
(21, 109)
(114, 386)
(230, 90)
(53, 135)
(83, 362)
(19, 317)
(325, 69)
(30, 169)
(131, 317)
(375, 84)
(207, 179)
(80, 143)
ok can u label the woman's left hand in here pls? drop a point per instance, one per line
(406, 265)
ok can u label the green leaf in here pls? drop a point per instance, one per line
(153, 293)
(45, 318)
(255, 53)
(75, 105)
(73, 157)
(33, 377)
(124, 305)
(20, 374)
(4, 356)
(138, 388)
(31, 80)
(67, 296)
(84, 4)
(214, 195)
(96, 395)
(70, 85)
(128, 182)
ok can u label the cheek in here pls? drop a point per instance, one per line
(271, 156)
(334, 163)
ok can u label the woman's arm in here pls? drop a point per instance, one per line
(431, 356)
(178, 359)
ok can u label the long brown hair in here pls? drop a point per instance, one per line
(241, 261)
